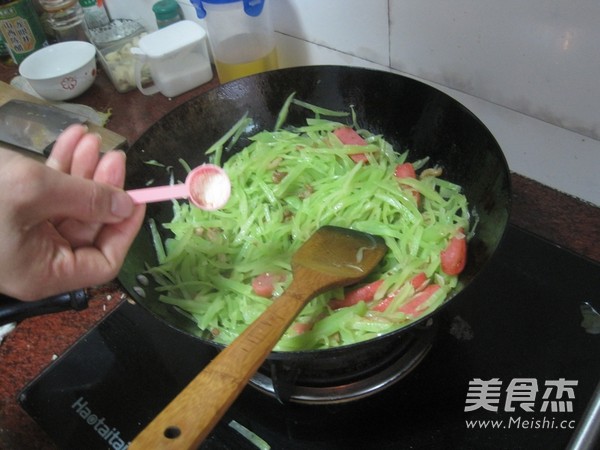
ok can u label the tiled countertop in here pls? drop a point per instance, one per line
(35, 342)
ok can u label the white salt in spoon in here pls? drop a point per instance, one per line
(207, 186)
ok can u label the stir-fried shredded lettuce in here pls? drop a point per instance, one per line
(285, 185)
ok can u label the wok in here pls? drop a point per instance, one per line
(408, 113)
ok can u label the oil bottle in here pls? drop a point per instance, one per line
(241, 36)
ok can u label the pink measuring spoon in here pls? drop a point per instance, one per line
(207, 186)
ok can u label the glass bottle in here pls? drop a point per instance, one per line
(94, 13)
(21, 29)
(66, 19)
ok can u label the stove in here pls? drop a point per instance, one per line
(511, 363)
(358, 383)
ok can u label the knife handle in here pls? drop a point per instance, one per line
(46, 151)
(13, 310)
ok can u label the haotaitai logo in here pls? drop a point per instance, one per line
(111, 435)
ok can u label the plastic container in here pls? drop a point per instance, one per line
(177, 56)
(118, 30)
(166, 13)
(241, 36)
(114, 52)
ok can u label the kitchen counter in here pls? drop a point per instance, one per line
(35, 342)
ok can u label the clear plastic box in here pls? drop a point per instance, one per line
(113, 43)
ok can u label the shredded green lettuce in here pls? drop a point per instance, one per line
(285, 185)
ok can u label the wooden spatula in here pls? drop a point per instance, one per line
(332, 257)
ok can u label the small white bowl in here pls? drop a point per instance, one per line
(61, 71)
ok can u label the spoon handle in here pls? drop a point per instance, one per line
(190, 417)
(158, 193)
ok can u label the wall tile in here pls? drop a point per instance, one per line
(552, 155)
(538, 57)
(293, 52)
(358, 28)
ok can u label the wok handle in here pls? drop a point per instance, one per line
(191, 416)
(13, 310)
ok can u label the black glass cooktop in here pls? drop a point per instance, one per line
(513, 365)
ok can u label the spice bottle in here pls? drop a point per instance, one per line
(21, 29)
(166, 13)
(94, 13)
(66, 19)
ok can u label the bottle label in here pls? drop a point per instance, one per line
(21, 29)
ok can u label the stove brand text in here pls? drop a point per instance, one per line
(111, 435)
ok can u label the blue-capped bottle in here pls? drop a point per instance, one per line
(241, 36)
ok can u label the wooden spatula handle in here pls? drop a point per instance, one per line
(331, 257)
(190, 417)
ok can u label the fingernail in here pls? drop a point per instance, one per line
(52, 163)
(122, 205)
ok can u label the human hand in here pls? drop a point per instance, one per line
(67, 224)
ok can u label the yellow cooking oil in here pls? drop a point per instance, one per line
(242, 56)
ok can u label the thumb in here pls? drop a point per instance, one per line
(85, 200)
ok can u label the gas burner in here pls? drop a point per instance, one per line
(409, 353)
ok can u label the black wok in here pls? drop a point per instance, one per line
(409, 114)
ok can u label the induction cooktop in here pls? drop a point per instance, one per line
(513, 364)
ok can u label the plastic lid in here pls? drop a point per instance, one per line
(166, 9)
(251, 7)
(171, 39)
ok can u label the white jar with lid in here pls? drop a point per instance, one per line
(241, 36)
(177, 56)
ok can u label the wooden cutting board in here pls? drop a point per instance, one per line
(110, 139)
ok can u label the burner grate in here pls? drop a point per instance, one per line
(365, 383)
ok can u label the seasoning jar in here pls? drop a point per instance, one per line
(241, 36)
(94, 13)
(166, 13)
(177, 57)
(21, 29)
(66, 19)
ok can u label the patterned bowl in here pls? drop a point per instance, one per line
(61, 71)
